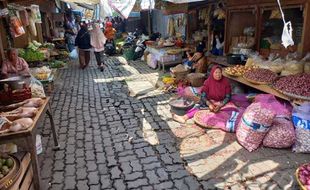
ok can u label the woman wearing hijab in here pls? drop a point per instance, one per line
(82, 40)
(98, 40)
(216, 93)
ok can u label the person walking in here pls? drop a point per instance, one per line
(82, 41)
(97, 41)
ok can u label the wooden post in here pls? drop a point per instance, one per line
(149, 22)
(3, 4)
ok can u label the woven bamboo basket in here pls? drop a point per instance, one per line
(196, 79)
(302, 187)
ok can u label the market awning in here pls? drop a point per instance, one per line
(183, 1)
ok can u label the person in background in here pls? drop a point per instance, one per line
(82, 41)
(70, 30)
(98, 40)
(216, 93)
(197, 61)
(109, 31)
(218, 44)
(14, 65)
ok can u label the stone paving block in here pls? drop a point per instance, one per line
(137, 183)
(58, 177)
(164, 185)
(152, 177)
(93, 178)
(91, 166)
(133, 176)
(82, 185)
(70, 170)
(81, 173)
(70, 182)
(119, 184)
(115, 172)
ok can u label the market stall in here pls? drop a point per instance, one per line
(19, 126)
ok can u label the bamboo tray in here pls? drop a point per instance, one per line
(7, 181)
(198, 118)
(256, 82)
(293, 96)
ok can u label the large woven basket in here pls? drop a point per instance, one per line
(196, 79)
(301, 186)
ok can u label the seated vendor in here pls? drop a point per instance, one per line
(197, 61)
(14, 65)
(216, 93)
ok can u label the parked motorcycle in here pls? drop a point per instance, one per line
(110, 48)
(140, 47)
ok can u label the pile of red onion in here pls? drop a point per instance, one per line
(295, 84)
(261, 75)
(304, 175)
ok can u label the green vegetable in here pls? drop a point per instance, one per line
(31, 55)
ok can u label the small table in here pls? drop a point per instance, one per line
(27, 139)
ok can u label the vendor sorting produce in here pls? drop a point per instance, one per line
(14, 65)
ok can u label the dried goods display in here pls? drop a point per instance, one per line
(260, 76)
(237, 70)
(298, 85)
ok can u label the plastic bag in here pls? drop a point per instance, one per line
(292, 67)
(306, 61)
(74, 54)
(37, 89)
(301, 120)
(16, 27)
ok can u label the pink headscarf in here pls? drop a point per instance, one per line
(97, 38)
(216, 89)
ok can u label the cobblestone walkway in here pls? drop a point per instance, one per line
(110, 140)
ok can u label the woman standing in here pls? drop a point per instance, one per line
(216, 93)
(82, 40)
(98, 40)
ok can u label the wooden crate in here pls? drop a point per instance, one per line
(24, 182)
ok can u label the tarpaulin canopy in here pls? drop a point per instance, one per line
(183, 1)
(123, 7)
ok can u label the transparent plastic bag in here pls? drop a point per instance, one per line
(74, 54)
(37, 89)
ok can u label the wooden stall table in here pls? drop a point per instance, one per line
(27, 139)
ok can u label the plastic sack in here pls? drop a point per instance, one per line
(301, 120)
(292, 68)
(281, 134)
(37, 89)
(306, 61)
(151, 61)
(192, 93)
(280, 108)
(74, 54)
(254, 125)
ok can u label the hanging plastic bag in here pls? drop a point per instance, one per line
(74, 54)
(35, 12)
(287, 39)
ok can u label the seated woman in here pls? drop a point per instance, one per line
(14, 65)
(197, 61)
(216, 93)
